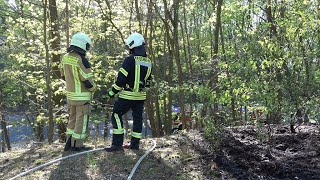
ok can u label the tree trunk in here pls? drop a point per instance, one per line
(5, 134)
(55, 47)
(3, 146)
(177, 60)
(273, 29)
(189, 58)
(215, 51)
(39, 130)
(185, 50)
(136, 4)
(150, 112)
(168, 43)
(55, 38)
(48, 79)
(155, 92)
(67, 23)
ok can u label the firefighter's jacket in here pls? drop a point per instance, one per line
(76, 71)
(134, 76)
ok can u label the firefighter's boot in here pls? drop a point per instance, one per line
(114, 148)
(134, 143)
(77, 145)
(67, 146)
(84, 148)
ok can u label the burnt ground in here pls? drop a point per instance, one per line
(248, 153)
(245, 152)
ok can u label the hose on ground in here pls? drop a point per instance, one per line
(140, 160)
(54, 161)
(85, 152)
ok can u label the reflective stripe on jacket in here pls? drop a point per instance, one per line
(78, 77)
(134, 78)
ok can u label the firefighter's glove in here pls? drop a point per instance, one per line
(111, 93)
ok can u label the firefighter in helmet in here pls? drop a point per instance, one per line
(133, 80)
(76, 71)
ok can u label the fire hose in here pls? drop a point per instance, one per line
(85, 152)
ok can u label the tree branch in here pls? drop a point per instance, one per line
(109, 18)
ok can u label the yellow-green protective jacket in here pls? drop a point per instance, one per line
(76, 71)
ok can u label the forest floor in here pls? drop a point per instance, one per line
(245, 152)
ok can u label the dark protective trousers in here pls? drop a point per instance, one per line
(121, 107)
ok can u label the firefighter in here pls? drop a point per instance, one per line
(134, 78)
(76, 71)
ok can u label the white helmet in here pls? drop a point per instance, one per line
(81, 40)
(134, 40)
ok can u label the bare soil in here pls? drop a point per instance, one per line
(245, 152)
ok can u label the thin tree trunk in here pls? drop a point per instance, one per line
(167, 122)
(48, 76)
(55, 47)
(155, 92)
(3, 145)
(185, 50)
(55, 37)
(67, 23)
(169, 59)
(273, 29)
(189, 58)
(177, 60)
(215, 51)
(136, 4)
(150, 113)
(5, 134)
(39, 128)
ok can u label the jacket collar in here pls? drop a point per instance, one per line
(80, 51)
(139, 51)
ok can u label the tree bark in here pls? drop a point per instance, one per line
(177, 59)
(188, 56)
(3, 145)
(154, 90)
(55, 38)
(215, 51)
(136, 4)
(170, 76)
(67, 23)
(5, 134)
(273, 29)
(150, 112)
(48, 76)
(55, 47)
